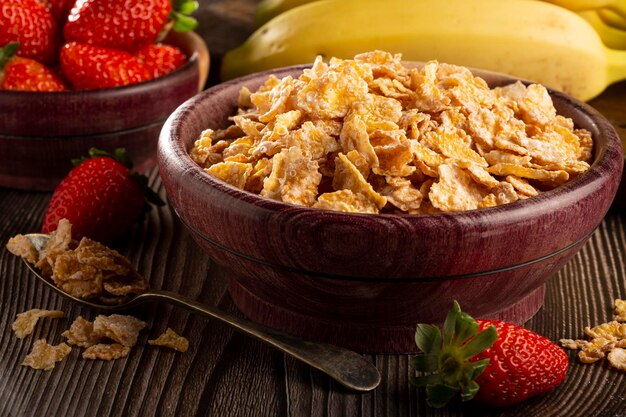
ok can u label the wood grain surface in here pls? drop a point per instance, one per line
(227, 374)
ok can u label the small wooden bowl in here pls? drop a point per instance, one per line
(41, 132)
(364, 281)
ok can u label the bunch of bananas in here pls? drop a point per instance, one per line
(576, 46)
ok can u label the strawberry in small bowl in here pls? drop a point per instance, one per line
(91, 73)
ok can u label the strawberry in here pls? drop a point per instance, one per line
(60, 9)
(25, 74)
(491, 361)
(91, 67)
(32, 25)
(100, 197)
(160, 59)
(125, 24)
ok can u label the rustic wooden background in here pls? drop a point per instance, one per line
(227, 374)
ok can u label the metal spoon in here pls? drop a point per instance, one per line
(344, 366)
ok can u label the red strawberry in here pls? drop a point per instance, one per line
(60, 9)
(160, 59)
(494, 362)
(91, 67)
(25, 74)
(32, 25)
(100, 197)
(126, 24)
(121, 24)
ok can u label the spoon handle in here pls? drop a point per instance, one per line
(346, 367)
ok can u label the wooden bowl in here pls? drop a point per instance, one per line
(41, 132)
(364, 281)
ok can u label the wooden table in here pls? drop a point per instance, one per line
(227, 374)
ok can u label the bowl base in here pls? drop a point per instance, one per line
(362, 337)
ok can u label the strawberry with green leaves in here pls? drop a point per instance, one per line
(101, 197)
(31, 24)
(90, 67)
(127, 25)
(491, 361)
(25, 74)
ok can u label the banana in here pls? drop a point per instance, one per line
(612, 38)
(533, 40)
(268, 9)
(616, 6)
(612, 19)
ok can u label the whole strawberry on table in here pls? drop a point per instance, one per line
(101, 197)
(89, 44)
(490, 361)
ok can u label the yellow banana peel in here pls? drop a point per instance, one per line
(533, 40)
(612, 38)
(612, 19)
(268, 9)
(616, 6)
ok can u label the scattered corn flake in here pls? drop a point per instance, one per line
(21, 246)
(619, 310)
(171, 340)
(510, 139)
(58, 243)
(25, 322)
(606, 340)
(81, 333)
(122, 329)
(107, 352)
(617, 358)
(44, 356)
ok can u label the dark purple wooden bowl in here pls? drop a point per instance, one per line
(41, 132)
(364, 281)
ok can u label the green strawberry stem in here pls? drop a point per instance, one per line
(8, 52)
(181, 9)
(445, 366)
(121, 156)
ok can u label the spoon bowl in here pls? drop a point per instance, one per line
(344, 366)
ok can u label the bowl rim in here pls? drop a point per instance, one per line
(604, 158)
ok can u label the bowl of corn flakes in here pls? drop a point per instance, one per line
(41, 132)
(351, 199)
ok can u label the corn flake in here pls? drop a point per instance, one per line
(171, 340)
(25, 322)
(106, 352)
(44, 356)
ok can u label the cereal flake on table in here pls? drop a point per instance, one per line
(26, 321)
(172, 340)
(44, 356)
(120, 329)
(85, 269)
(605, 340)
(369, 135)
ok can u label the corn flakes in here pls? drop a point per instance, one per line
(606, 340)
(44, 356)
(25, 322)
(304, 140)
(81, 333)
(106, 352)
(85, 269)
(171, 340)
(122, 329)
